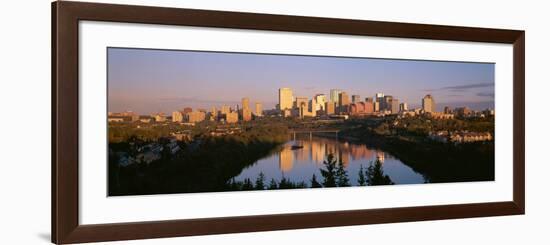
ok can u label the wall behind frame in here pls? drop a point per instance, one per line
(25, 104)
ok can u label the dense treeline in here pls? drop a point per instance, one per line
(421, 126)
(437, 162)
(205, 164)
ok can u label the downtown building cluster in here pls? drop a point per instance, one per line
(340, 104)
(223, 114)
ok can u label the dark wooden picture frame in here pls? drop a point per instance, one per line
(65, 134)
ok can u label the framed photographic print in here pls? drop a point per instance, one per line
(174, 122)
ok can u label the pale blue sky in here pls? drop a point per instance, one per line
(149, 81)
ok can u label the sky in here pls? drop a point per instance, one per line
(149, 81)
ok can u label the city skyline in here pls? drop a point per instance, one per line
(207, 79)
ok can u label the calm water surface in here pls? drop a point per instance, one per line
(300, 164)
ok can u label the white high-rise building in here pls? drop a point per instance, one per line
(428, 103)
(258, 109)
(376, 106)
(355, 98)
(320, 101)
(403, 107)
(285, 98)
(177, 116)
(334, 95)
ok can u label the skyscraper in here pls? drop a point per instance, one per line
(394, 106)
(225, 109)
(386, 103)
(334, 95)
(320, 100)
(285, 98)
(355, 98)
(343, 102)
(329, 106)
(245, 103)
(369, 106)
(403, 107)
(246, 112)
(379, 97)
(428, 103)
(177, 116)
(258, 109)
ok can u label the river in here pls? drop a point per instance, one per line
(300, 164)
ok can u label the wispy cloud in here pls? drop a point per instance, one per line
(468, 86)
(461, 88)
(482, 94)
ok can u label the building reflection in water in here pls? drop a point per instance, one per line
(381, 157)
(300, 163)
(317, 149)
(286, 159)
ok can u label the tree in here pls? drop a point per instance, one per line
(114, 173)
(362, 181)
(285, 183)
(314, 182)
(260, 182)
(273, 184)
(300, 184)
(375, 174)
(329, 173)
(247, 185)
(341, 175)
(234, 185)
(166, 153)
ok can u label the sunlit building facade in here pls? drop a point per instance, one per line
(355, 98)
(330, 108)
(334, 95)
(285, 98)
(343, 102)
(394, 106)
(258, 111)
(160, 117)
(225, 109)
(177, 116)
(232, 117)
(196, 116)
(428, 104)
(320, 100)
(403, 107)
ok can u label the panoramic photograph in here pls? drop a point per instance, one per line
(196, 121)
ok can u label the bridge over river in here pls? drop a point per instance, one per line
(313, 131)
